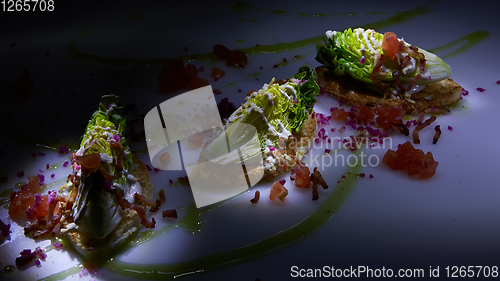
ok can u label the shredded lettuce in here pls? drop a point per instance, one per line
(107, 121)
(98, 208)
(355, 52)
(275, 111)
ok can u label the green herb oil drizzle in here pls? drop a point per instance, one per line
(261, 248)
(75, 53)
(469, 39)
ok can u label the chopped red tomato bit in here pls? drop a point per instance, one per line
(90, 161)
(174, 76)
(339, 114)
(217, 72)
(303, 177)
(33, 185)
(363, 114)
(191, 71)
(387, 117)
(391, 159)
(381, 110)
(390, 45)
(278, 191)
(23, 199)
(234, 58)
(405, 153)
(413, 160)
(41, 207)
(395, 114)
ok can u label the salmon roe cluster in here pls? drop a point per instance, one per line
(413, 160)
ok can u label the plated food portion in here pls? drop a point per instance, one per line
(282, 112)
(365, 67)
(107, 194)
(386, 78)
(109, 187)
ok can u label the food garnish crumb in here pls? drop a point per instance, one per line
(256, 197)
(171, 213)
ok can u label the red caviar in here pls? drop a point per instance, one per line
(339, 114)
(21, 200)
(413, 160)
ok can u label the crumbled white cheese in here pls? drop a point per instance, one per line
(329, 34)
(415, 89)
(132, 178)
(409, 68)
(368, 41)
(117, 185)
(134, 188)
(268, 142)
(69, 227)
(106, 159)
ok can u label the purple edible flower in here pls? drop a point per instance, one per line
(63, 149)
(5, 229)
(25, 252)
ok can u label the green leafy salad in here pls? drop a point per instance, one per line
(277, 111)
(102, 162)
(382, 61)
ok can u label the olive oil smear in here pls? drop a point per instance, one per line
(397, 18)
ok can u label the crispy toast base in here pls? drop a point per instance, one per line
(303, 141)
(98, 250)
(439, 95)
